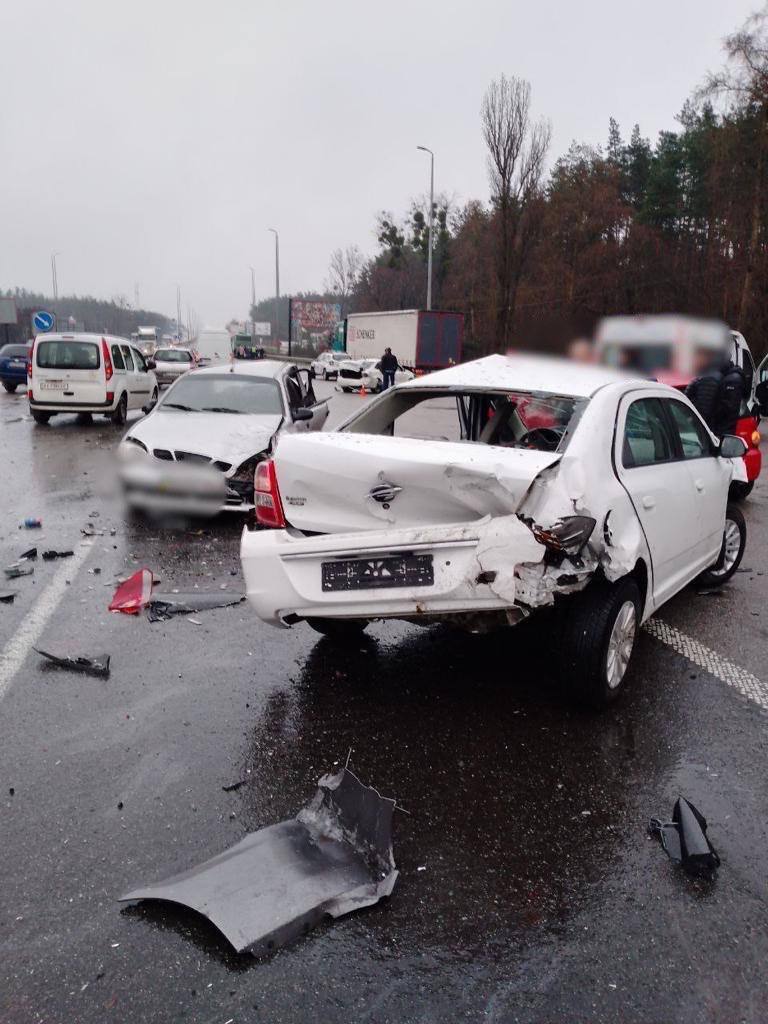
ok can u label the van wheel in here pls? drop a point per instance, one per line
(10, 388)
(40, 417)
(599, 630)
(731, 552)
(343, 630)
(120, 415)
(738, 490)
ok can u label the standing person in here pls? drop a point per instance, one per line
(388, 365)
(718, 392)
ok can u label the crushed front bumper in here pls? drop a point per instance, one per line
(474, 569)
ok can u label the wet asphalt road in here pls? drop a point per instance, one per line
(529, 890)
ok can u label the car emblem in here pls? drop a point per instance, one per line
(384, 492)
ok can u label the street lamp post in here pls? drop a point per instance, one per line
(54, 277)
(253, 306)
(277, 292)
(431, 220)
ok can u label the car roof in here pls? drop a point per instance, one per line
(523, 372)
(84, 336)
(174, 348)
(255, 368)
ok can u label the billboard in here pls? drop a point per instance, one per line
(313, 324)
(8, 311)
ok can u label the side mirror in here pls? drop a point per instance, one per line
(732, 447)
(302, 414)
(151, 364)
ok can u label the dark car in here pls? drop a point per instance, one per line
(13, 366)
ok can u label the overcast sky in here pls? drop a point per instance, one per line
(155, 143)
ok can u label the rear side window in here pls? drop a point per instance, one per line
(646, 435)
(138, 359)
(117, 358)
(67, 355)
(694, 439)
(128, 358)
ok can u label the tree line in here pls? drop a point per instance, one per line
(82, 313)
(629, 226)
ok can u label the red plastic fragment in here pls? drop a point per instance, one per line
(132, 595)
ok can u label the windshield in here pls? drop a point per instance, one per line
(225, 392)
(13, 352)
(641, 358)
(172, 355)
(68, 355)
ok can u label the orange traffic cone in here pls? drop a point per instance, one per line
(362, 389)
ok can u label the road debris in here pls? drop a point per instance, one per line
(51, 556)
(32, 523)
(12, 572)
(96, 666)
(89, 530)
(164, 606)
(29, 555)
(335, 856)
(234, 786)
(133, 594)
(685, 839)
(7, 596)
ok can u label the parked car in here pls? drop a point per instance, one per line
(13, 366)
(444, 499)
(225, 419)
(326, 365)
(170, 363)
(666, 348)
(355, 374)
(88, 373)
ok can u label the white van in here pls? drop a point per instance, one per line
(88, 373)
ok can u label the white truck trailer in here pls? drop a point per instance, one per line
(421, 339)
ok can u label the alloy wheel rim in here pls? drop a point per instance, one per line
(731, 546)
(620, 644)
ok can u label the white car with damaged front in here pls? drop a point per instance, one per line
(355, 374)
(482, 493)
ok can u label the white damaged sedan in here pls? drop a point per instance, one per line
(198, 448)
(482, 493)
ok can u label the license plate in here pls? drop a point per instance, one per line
(378, 573)
(17, 364)
(52, 385)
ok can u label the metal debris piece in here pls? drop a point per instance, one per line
(96, 666)
(7, 596)
(89, 530)
(28, 556)
(275, 884)
(685, 839)
(133, 594)
(164, 606)
(234, 786)
(12, 572)
(50, 556)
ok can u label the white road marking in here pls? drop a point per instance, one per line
(14, 653)
(733, 675)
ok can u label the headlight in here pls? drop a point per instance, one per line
(131, 448)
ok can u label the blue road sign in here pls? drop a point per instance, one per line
(42, 321)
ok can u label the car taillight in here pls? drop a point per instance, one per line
(755, 438)
(110, 397)
(107, 359)
(567, 536)
(29, 365)
(269, 507)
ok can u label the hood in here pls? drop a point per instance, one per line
(217, 435)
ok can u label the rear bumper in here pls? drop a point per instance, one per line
(35, 403)
(474, 571)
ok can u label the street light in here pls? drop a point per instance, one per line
(253, 306)
(277, 292)
(54, 276)
(431, 220)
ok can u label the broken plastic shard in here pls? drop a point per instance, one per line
(685, 839)
(96, 666)
(165, 606)
(7, 596)
(131, 596)
(89, 530)
(334, 857)
(13, 572)
(50, 556)
(28, 555)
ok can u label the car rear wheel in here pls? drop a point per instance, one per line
(343, 630)
(120, 415)
(10, 388)
(599, 631)
(739, 490)
(731, 552)
(40, 417)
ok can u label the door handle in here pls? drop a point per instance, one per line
(649, 501)
(699, 484)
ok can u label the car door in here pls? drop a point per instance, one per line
(319, 410)
(761, 386)
(709, 476)
(646, 458)
(131, 376)
(144, 380)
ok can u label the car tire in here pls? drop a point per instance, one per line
(341, 630)
(731, 552)
(10, 388)
(599, 629)
(120, 414)
(40, 417)
(739, 490)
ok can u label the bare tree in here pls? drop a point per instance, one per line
(344, 273)
(744, 82)
(517, 149)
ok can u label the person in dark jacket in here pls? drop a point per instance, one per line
(718, 393)
(388, 364)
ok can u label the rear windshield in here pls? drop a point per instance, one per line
(67, 355)
(646, 359)
(13, 352)
(208, 392)
(172, 355)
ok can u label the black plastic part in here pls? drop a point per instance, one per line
(685, 839)
(96, 666)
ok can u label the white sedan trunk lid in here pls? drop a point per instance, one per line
(339, 482)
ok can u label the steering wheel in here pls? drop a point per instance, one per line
(543, 438)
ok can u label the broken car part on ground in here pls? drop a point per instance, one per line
(95, 666)
(685, 839)
(335, 856)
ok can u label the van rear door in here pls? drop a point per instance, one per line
(68, 371)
